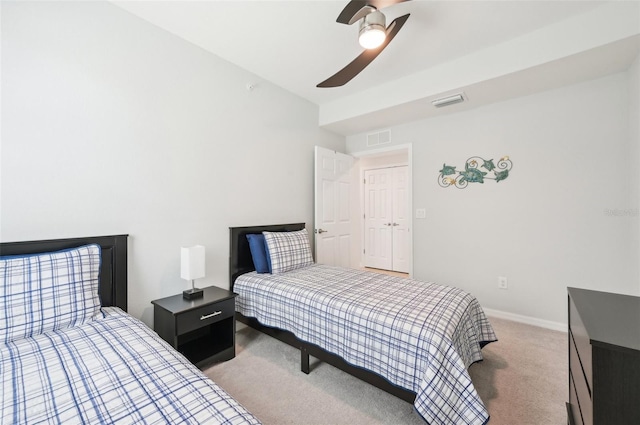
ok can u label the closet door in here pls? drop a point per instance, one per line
(378, 237)
(385, 219)
(401, 220)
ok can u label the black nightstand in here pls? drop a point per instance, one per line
(202, 329)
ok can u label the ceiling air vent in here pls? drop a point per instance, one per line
(377, 139)
(449, 100)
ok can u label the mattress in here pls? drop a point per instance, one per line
(418, 335)
(111, 370)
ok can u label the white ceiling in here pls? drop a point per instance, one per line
(297, 44)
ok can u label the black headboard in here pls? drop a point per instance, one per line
(240, 261)
(113, 271)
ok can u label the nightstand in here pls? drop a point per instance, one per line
(202, 329)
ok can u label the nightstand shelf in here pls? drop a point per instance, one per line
(202, 329)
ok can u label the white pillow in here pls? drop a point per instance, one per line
(48, 291)
(288, 250)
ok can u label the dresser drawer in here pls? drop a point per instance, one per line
(203, 316)
(582, 391)
(573, 410)
(582, 342)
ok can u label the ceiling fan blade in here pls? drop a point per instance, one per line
(350, 10)
(358, 9)
(347, 73)
(361, 14)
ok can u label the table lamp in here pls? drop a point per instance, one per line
(191, 268)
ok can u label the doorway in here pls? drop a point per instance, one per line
(396, 158)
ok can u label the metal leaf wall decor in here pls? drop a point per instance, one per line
(476, 170)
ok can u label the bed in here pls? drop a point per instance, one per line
(412, 339)
(69, 352)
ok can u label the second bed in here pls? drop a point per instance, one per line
(418, 336)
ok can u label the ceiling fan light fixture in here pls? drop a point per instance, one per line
(373, 31)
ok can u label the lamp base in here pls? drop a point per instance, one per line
(192, 294)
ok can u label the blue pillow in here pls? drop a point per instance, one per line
(258, 248)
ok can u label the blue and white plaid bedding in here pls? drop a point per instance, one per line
(418, 335)
(111, 370)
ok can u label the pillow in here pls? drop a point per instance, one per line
(259, 254)
(48, 291)
(288, 250)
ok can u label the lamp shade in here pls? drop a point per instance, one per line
(192, 262)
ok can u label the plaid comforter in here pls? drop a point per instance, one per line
(112, 370)
(418, 335)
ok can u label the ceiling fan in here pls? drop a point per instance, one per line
(373, 35)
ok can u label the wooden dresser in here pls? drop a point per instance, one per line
(604, 358)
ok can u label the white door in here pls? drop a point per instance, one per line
(400, 222)
(386, 229)
(378, 247)
(332, 207)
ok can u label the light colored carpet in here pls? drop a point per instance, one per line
(522, 380)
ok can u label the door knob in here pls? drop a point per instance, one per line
(395, 224)
(321, 231)
(387, 224)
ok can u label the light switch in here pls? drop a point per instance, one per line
(421, 213)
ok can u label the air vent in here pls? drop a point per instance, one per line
(377, 139)
(449, 100)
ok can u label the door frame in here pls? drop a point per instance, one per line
(382, 152)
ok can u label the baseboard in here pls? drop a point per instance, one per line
(548, 324)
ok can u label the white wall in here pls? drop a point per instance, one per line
(111, 125)
(561, 219)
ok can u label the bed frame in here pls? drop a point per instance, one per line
(240, 262)
(113, 270)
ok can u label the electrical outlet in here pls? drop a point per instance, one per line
(502, 282)
(421, 213)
